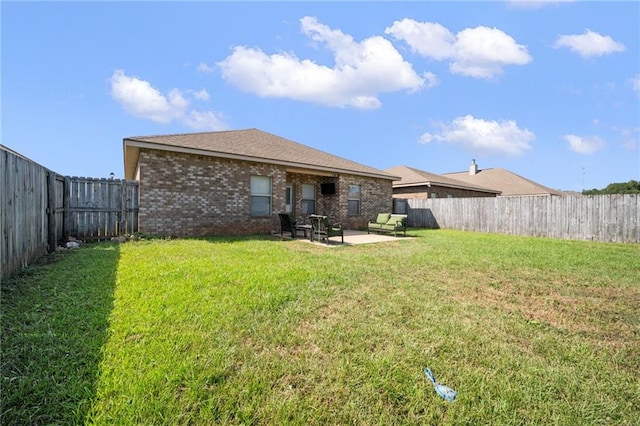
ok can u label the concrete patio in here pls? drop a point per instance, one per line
(351, 237)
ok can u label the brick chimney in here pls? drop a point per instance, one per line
(473, 168)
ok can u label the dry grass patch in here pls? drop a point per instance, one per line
(603, 314)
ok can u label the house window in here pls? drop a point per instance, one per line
(434, 195)
(308, 202)
(260, 196)
(353, 197)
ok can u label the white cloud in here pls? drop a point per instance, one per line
(201, 95)
(362, 71)
(483, 52)
(585, 144)
(483, 136)
(203, 120)
(479, 52)
(589, 44)
(424, 38)
(431, 80)
(140, 99)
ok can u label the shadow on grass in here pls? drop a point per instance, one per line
(54, 321)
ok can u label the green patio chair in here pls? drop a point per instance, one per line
(322, 228)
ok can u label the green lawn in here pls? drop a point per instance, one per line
(264, 332)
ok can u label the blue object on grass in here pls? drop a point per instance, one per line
(444, 391)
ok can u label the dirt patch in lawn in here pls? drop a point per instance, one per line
(604, 314)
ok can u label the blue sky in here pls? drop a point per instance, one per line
(550, 91)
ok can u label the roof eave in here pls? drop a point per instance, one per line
(406, 185)
(447, 185)
(131, 154)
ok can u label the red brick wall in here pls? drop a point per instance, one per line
(191, 195)
(375, 197)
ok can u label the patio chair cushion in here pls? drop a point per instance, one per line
(394, 219)
(383, 217)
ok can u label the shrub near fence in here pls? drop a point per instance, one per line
(606, 218)
(40, 208)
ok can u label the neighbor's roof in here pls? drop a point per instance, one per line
(505, 181)
(414, 177)
(250, 145)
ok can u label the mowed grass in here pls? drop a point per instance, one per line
(262, 331)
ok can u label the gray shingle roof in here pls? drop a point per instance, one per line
(414, 177)
(251, 145)
(504, 180)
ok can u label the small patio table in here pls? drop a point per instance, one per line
(304, 228)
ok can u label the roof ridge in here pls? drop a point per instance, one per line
(479, 170)
(195, 133)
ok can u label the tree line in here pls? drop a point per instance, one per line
(631, 187)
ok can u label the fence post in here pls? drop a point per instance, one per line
(52, 234)
(66, 202)
(123, 207)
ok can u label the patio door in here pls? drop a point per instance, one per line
(288, 198)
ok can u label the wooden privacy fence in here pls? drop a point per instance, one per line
(23, 217)
(606, 218)
(40, 209)
(99, 208)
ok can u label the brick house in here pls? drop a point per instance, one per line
(414, 183)
(235, 182)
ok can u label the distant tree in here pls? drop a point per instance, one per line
(631, 187)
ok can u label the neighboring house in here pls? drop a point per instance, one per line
(235, 182)
(508, 183)
(416, 183)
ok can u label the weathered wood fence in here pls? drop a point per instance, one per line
(40, 209)
(99, 208)
(606, 218)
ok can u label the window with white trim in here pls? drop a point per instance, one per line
(353, 200)
(260, 196)
(308, 201)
